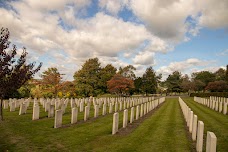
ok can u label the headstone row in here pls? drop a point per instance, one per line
(74, 114)
(140, 111)
(57, 107)
(215, 103)
(197, 129)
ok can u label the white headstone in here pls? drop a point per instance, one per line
(81, 106)
(225, 108)
(5, 104)
(211, 142)
(194, 127)
(104, 109)
(199, 142)
(36, 113)
(132, 114)
(141, 110)
(22, 109)
(74, 115)
(216, 105)
(58, 118)
(86, 114)
(110, 108)
(191, 121)
(220, 106)
(47, 106)
(125, 118)
(145, 108)
(188, 118)
(121, 106)
(12, 106)
(116, 106)
(51, 111)
(137, 113)
(96, 111)
(115, 123)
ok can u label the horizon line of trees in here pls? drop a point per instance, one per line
(94, 80)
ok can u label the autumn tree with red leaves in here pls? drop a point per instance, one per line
(14, 71)
(120, 85)
(217, 86)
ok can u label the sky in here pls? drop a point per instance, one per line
(169, 35)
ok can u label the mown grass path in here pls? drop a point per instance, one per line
(164, 130)
(213, 121)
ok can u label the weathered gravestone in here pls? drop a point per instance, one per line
(199, 142)
(51, 111)
(194, 127)
(132, 114)
(86, 114)
(58, 118)
(96, 111)
(74, 115)
(22, 109)
(115, 123)
(211, 142)
(36, 113)
(125, 118)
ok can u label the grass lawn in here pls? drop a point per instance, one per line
(213, 121)
(164, 130)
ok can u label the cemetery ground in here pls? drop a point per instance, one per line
(163, 129)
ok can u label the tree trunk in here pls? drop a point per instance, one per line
(1, 111)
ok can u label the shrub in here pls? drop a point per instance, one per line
(217, 94)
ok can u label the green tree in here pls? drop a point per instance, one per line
(138, 85)
(220, 74)
(25, 90)
(173, 82)
(14, 71)
(127, 72)
(105, 75)
(186, 84)
(226, 77)
(87, 79)
(204, 76)
(149, 81)
(198, 85)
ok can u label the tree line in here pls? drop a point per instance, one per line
(94, 80)
(91, 80)
(203, 81)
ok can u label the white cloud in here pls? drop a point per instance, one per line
(185, 67)
(166, 19)
(223, 53)
(214, 13)
(144, 58)
(113, 6)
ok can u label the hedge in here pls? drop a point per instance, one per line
(217, 94)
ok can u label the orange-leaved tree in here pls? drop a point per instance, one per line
(120, 85)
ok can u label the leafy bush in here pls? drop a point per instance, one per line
(217, 94)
